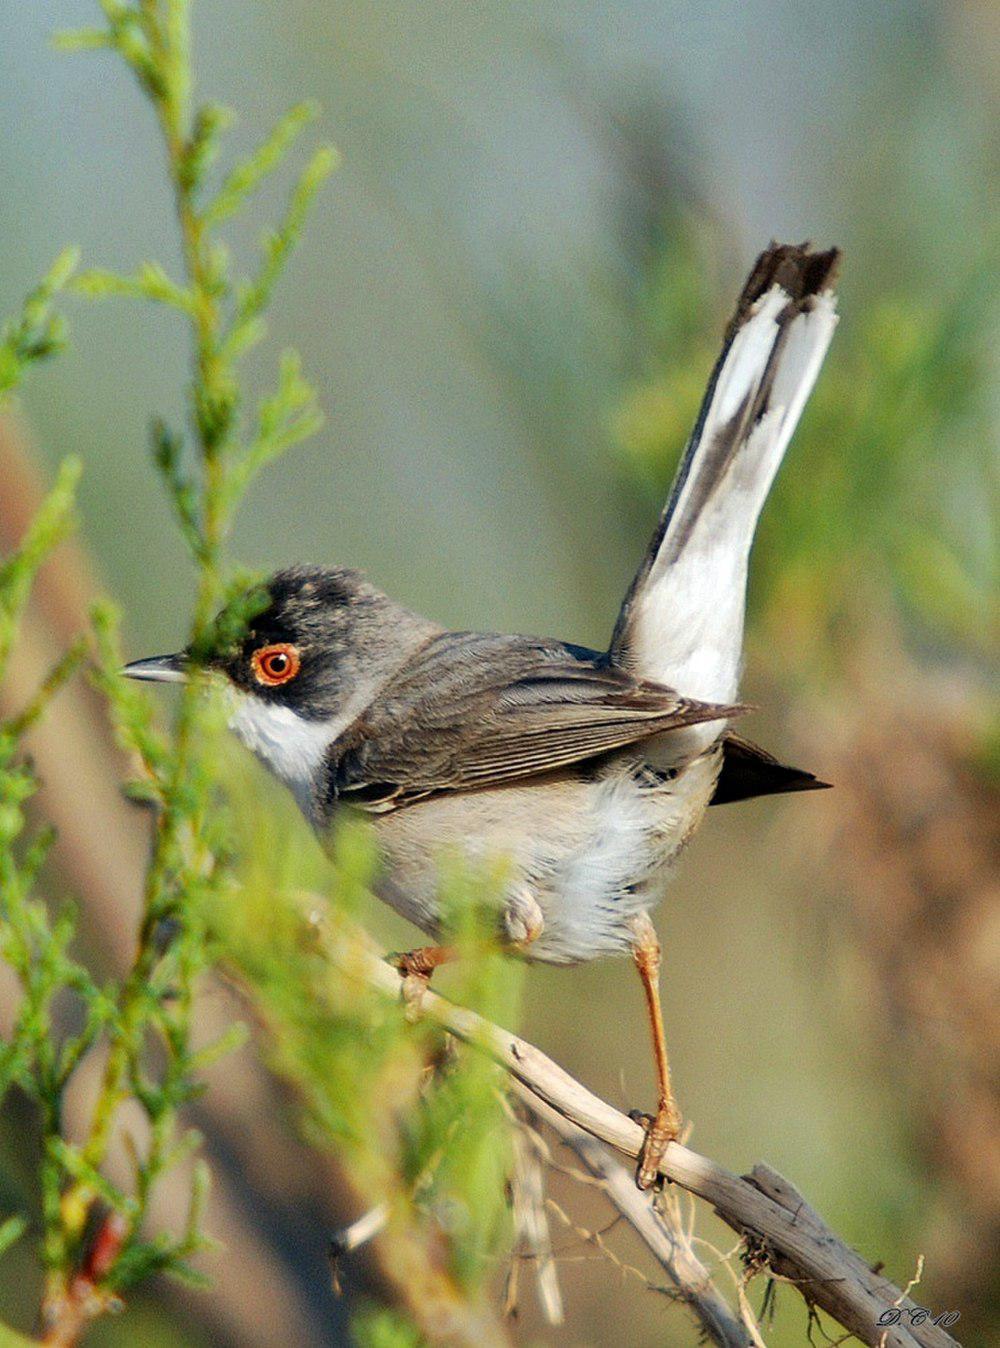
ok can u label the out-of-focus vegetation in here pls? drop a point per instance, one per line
(418, 1124)
(38, 332)
(34, 944)
(510, 298)
(95, 1246)
(427, 1141)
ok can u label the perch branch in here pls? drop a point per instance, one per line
(781, 1229)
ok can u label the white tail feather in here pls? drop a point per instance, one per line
(682, 623)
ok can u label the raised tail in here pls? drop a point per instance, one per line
(682, 620)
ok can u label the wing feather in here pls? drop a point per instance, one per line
(471, 711)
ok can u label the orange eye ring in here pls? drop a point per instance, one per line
(274, 665)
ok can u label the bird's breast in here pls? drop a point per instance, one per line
(592, 850)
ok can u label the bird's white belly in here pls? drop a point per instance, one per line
(591, 853)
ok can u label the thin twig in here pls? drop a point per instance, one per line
(532, 1239)
(350, 1238)
(667, 1241)
(360, 1232)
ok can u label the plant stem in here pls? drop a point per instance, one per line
(180, 848)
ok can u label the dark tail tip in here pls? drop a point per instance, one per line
(794, 267)
(748, 771)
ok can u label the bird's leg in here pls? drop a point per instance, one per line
(666, 1123)
(521, 923)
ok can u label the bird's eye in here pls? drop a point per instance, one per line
(275, 665)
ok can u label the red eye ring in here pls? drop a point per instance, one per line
(274, 665)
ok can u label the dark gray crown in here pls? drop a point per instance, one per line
(346, 632)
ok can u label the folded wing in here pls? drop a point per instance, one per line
(473, 710)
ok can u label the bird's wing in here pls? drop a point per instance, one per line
(474, 711)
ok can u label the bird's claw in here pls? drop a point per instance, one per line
(411, 962)
(662, 1128)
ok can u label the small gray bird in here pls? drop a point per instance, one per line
(585, 772)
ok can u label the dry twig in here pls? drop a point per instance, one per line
(667, 1240)
(532, 1239)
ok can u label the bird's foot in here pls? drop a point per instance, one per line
(420, 963)
(415, 968)
(662, 1128)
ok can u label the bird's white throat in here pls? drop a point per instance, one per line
(291, 746)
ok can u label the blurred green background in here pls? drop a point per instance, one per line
(510, 297)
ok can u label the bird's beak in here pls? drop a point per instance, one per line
(160, 668)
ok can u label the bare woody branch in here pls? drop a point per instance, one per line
(784, 1232)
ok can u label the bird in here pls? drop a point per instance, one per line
(585, 772)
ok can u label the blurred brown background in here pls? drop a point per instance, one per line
(509, 298)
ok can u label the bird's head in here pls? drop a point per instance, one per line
(301, 656)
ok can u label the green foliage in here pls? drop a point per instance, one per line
(206, 482)
(206, 473)
(40, 1056)
(384, 1329)
(94, 1229)
(33, 943)
(37, 332)
(419, 1124)
(17, 573)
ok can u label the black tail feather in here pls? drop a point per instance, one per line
(749, 771)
